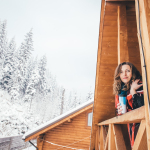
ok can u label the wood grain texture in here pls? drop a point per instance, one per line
(119, 140)
(107, 58)
(145, 33)
(111, 141)
(75, 134)
(134, 116)
(141, 140)
(94, 127)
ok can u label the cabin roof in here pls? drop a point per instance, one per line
(56, 120)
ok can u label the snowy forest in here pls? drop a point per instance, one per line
(29, 92)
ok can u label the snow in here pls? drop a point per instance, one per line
(29, 93)
(30, 148)
(13, 117)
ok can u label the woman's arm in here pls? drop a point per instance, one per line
(138, 100)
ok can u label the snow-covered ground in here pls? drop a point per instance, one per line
(14, 118)
(30, 148)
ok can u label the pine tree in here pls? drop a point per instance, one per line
(9, 66)
(42, 72)
(24, 54)
(3, 49)
(3, 43)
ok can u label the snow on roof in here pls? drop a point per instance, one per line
(55, 120)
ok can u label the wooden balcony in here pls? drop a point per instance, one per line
(112, 134)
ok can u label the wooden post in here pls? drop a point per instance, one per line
(140, 141)
(118, 35)
(122, 35)
(103, 135)
(143, 10)
(40, 142)
(111, 142)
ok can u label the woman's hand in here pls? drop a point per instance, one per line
(135, 86)
(119, 109)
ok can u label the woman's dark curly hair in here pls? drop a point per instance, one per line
(117, 81)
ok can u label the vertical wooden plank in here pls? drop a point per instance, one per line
(143, 20)
(103, 135)
(105, 132)
(141, 140)
(40, 142)
(118, 35)
(94, 127)
(106, 143)
(97, 139)
(119, 140)
(111, 141)
(122, 35)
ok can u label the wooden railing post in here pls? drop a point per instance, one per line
(111, 143)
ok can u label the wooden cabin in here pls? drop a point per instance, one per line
(70, 130)
(124, 35)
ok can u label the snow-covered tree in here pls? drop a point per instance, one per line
(24, 54)
(42, 72)
(3, 43)
(9, 66)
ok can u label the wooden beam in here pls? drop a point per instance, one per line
(94, 127)
(141, 140)
(104, 131)
(134, 116)
(111, 142)
(69, 120)
(97, 139)
(123, 54)
(143, 16)
(118, 35)
(40, 142)
(102, 138)
(119, 141)
(106, 143)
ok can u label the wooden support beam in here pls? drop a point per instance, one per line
(118, 35)
(97, 139)
(40, 142)
(123, 54)
(134, 116)
(141, 140)
(143, 20)
(94, 121)
(69, 120)
(119, 141)
(111, 141)
(106, 143)
(103, 136)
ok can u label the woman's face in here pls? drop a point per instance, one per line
(125, 74)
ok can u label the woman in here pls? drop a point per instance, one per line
(127, 81)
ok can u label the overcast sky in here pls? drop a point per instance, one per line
(66, 31)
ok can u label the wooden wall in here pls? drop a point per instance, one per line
(69, 132)
(107, 59)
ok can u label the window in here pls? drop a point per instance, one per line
(90, 119)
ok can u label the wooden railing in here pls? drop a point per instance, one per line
(112, 134)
